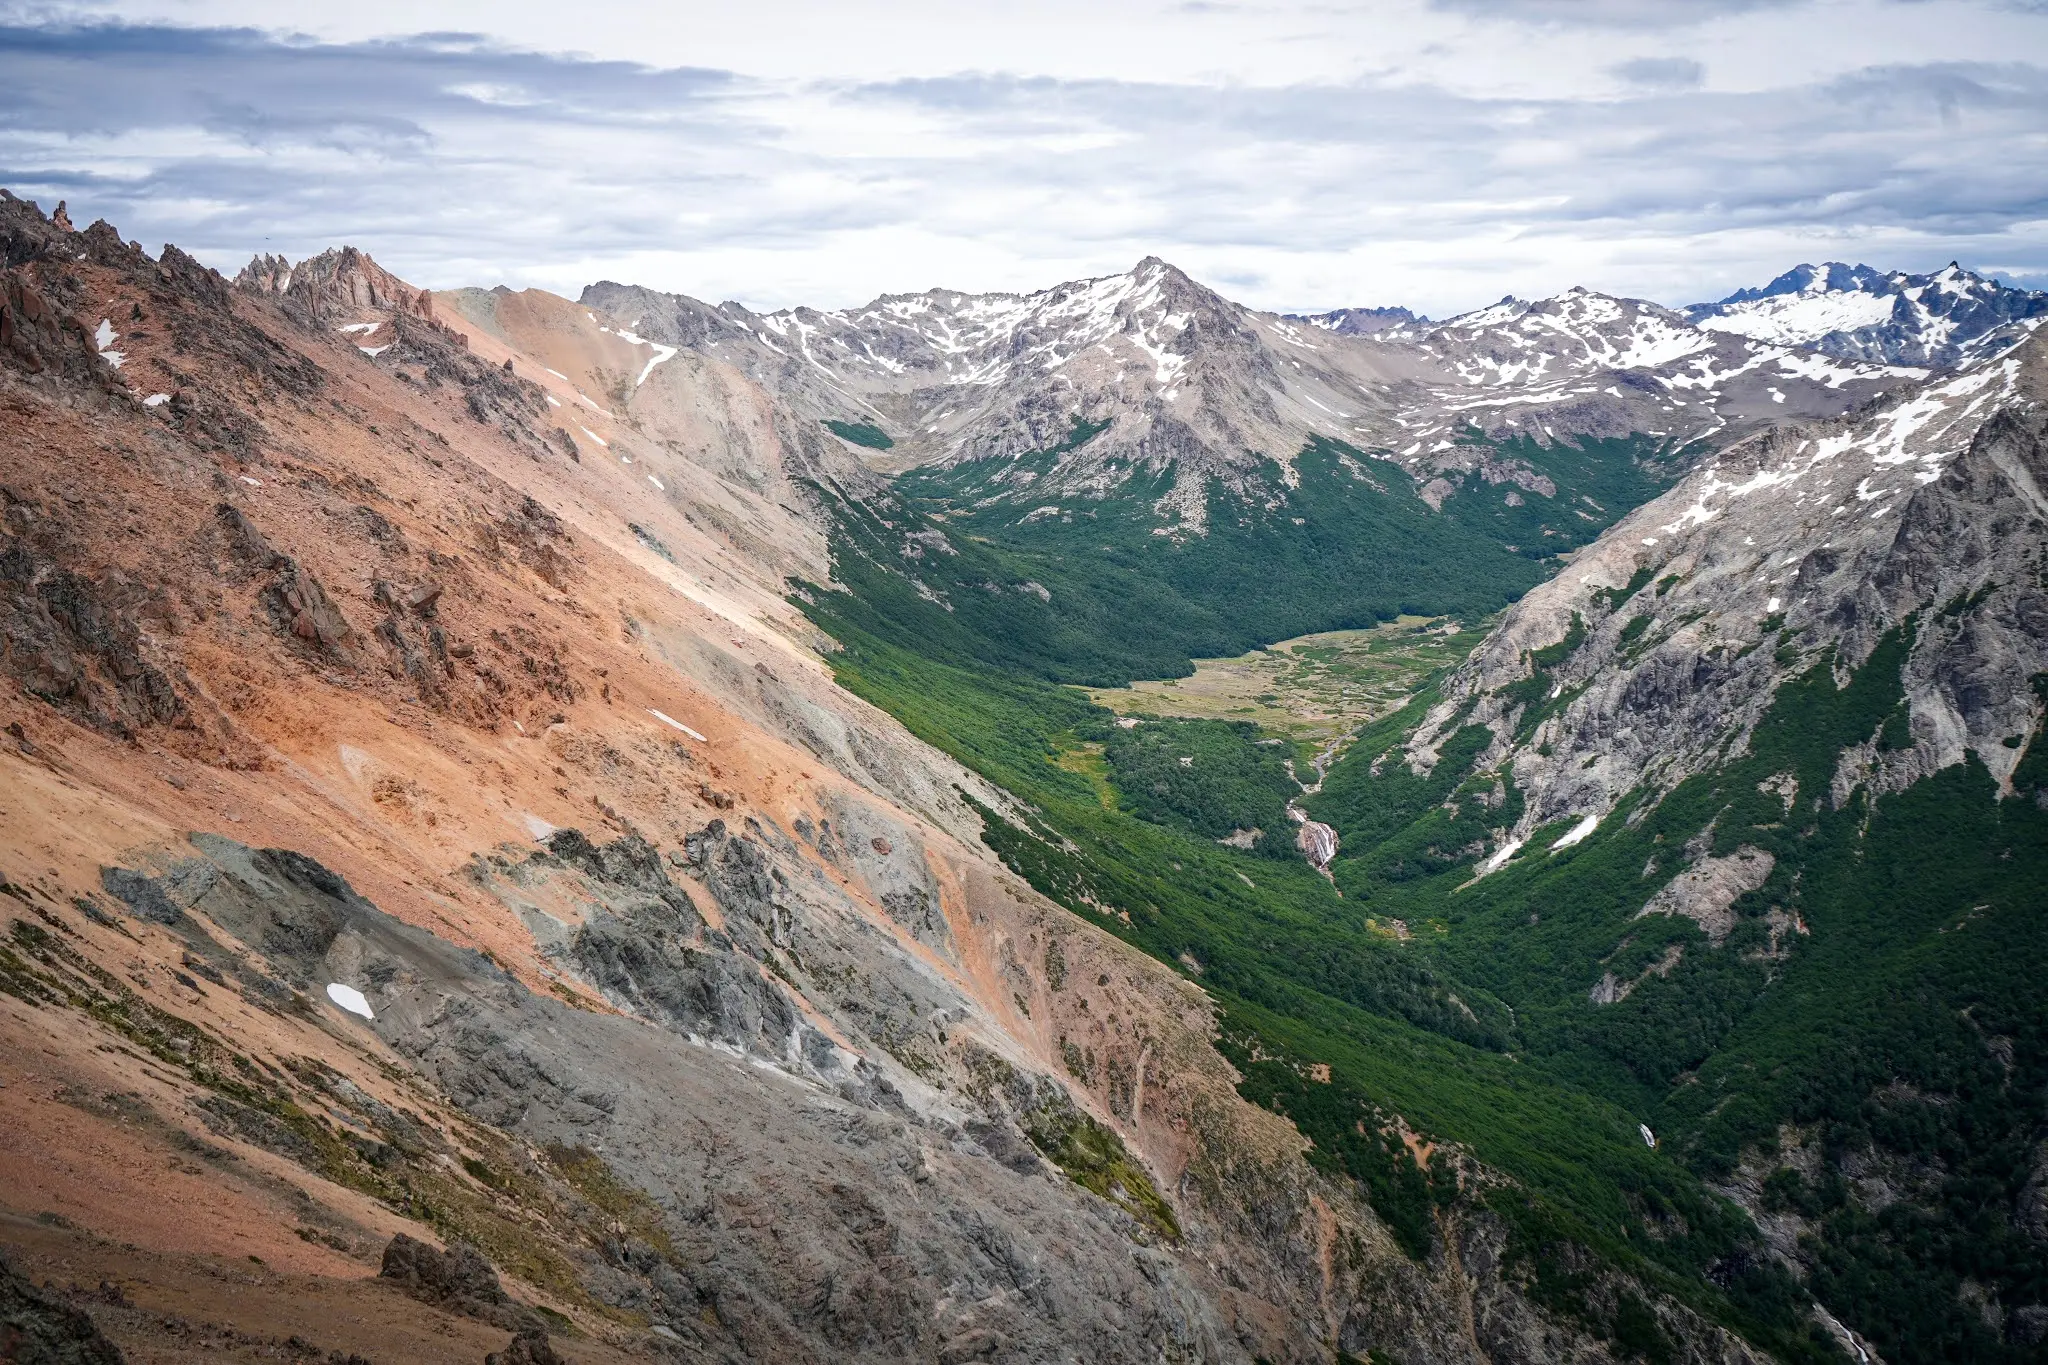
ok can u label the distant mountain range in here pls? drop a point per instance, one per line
(1150, 373)
(1946, 319)
(1856, 312)
(1359, 321)
(1048, 451)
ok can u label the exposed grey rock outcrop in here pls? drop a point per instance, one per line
(1704, 892)
(916, 1241)
(942, 1218)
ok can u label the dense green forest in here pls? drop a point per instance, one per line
(1874, 1003)
(1214, 778)
(1089, 593)
(861, 434)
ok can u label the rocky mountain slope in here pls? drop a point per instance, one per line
(423, 812)
(1806, 544)
(1948, 319)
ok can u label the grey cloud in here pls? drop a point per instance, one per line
(456, 160)
(1644, 14)
(1873, 145)
(1662, 73)
(393, 138)
(106, 77)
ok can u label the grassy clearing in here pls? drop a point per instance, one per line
(1085, 760)
(1313, 688)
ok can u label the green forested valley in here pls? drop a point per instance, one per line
(1464, 1008)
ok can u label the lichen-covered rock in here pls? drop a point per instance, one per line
(530, 1347)
(458, 1279)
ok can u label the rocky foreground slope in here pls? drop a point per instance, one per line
(421, 813)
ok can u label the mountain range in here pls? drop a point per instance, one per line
(1946, 319)
(1149, 372)
(572, 821)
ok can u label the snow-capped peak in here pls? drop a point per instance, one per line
(1577, 330)
(1951, 318)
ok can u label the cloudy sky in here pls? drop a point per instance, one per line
(1294, 153)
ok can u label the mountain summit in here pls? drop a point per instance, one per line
(1946, 319)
